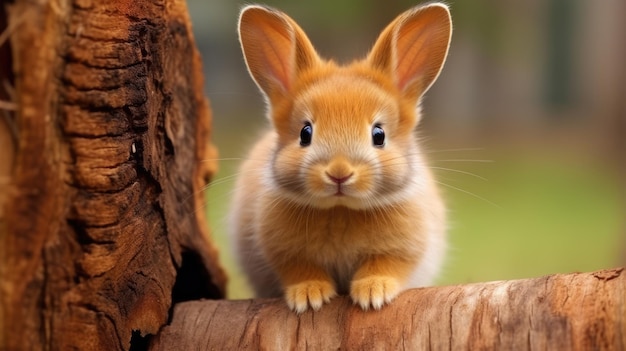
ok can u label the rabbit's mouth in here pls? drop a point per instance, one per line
(339, 193)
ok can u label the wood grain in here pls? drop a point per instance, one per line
(101, 228)
(581, 311)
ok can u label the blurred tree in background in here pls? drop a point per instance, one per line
(537, 88)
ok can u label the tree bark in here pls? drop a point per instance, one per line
(101, 228)
(583, 311)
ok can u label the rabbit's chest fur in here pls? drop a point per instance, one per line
(339, 238)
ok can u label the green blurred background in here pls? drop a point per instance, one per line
(525, 127)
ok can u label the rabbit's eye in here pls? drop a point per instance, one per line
(306, 134)
(378, 136)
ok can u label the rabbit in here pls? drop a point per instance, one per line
(336, 198)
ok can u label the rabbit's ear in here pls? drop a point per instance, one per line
(413, 48)
(275, 49)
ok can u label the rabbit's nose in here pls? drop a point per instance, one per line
(339, 179)
(339, 170)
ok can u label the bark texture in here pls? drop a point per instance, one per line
(583, 311)
(101, 226)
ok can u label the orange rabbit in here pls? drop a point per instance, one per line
(337, 197)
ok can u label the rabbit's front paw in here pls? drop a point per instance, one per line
(313, 293)
(374, 291)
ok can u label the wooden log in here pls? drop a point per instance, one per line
(582, 311)
(101, 227)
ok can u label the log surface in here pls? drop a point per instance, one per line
(582, 311)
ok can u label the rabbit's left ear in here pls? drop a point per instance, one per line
(276, 50)
(413, 48)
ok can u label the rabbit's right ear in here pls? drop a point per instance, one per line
(413, 48)
(275, 49)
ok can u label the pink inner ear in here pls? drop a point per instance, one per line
(421, 45)
(268, 43)
(278, 55)
(412, 58)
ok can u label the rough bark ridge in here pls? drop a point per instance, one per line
(584, 311)
(101, 226)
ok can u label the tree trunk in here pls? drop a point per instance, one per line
(560, 312)
(101, 227)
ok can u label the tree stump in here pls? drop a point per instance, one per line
(102, 226)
